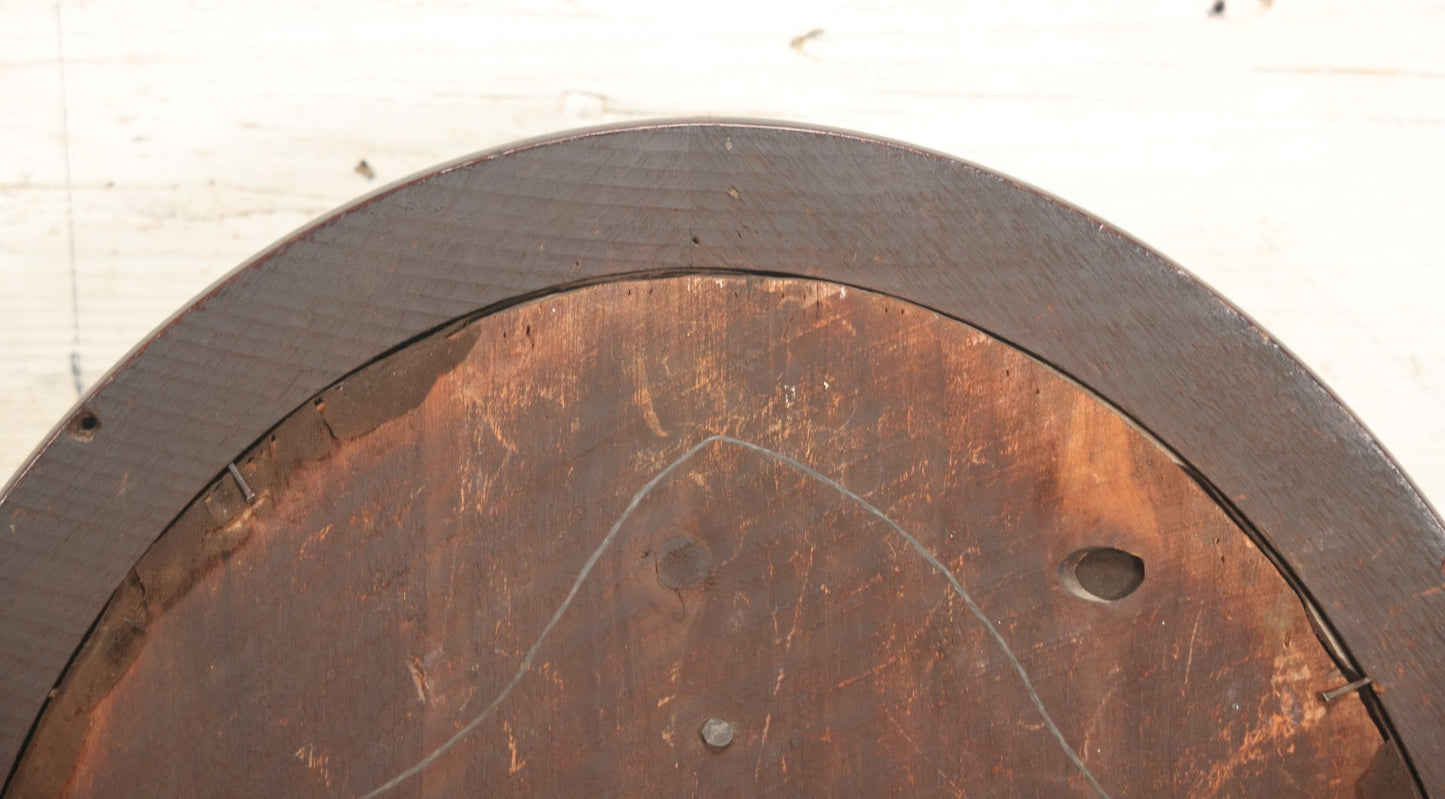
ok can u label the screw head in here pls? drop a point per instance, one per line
(716, 733)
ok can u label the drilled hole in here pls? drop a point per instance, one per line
(1102, 574)
(84, 426)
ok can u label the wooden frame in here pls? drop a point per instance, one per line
(1273, 446)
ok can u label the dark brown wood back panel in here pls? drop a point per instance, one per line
(1280, 451)
(547, 547)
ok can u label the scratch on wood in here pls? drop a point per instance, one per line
(798, 605)
(607, 540)
(644, 398)
(1189, 661)
(958, 790)
(418, 677)
(318, 763)
(762, 743)
(516, 763)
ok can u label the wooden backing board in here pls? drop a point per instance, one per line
(1280, 452)
(549, 545)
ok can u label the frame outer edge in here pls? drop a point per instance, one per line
(745, 196)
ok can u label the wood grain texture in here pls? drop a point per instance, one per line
(732, 196)
(549, 544)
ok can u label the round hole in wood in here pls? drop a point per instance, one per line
(84, 426)
(1102, 574)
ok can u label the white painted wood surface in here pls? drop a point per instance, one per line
(1291, 154)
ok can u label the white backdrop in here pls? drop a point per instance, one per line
(1291, 154)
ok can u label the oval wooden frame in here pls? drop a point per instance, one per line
(1297, 470)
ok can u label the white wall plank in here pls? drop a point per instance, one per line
(1291, 154)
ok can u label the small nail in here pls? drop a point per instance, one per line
(1330, 696)
(241, 481)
